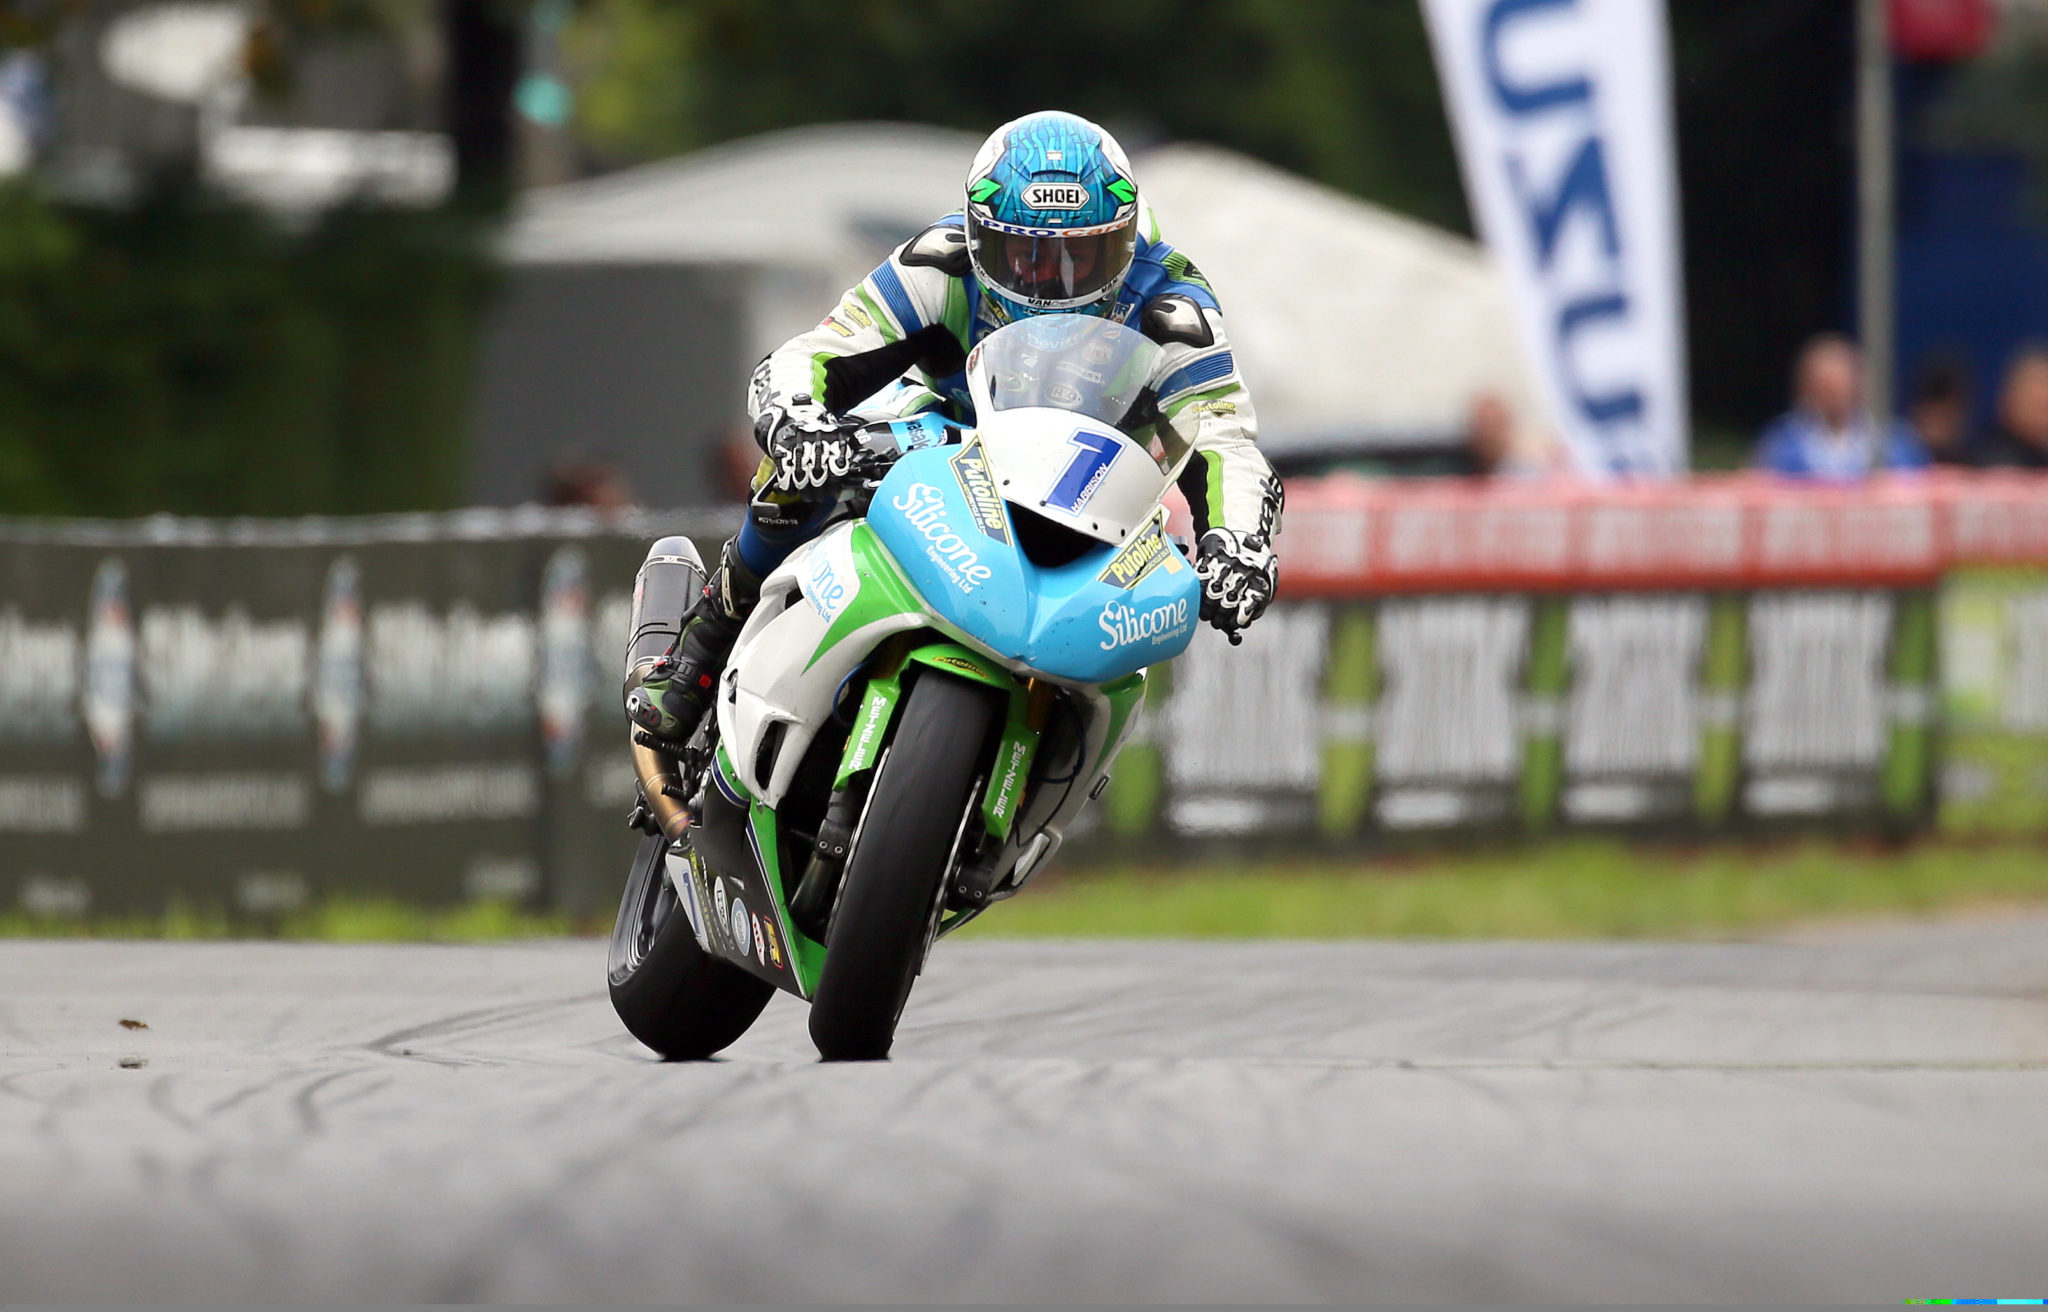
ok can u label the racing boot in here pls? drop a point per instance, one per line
(672, 699)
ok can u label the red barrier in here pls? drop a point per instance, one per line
(1346, 535)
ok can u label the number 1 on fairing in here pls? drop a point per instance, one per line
(1085, 472)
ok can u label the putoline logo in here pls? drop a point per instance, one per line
(1056, 196)
(1147, 551)
(976, 484)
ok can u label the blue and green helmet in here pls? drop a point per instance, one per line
(1052, 216)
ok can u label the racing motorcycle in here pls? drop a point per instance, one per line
(925, 698)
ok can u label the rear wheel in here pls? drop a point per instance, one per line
(673, 996)
(894, 876)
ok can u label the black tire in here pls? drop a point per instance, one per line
(673, 996)
(893, 876)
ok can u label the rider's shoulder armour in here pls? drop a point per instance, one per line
(942, 247)
(1173, 317)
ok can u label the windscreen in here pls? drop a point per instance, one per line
(1069, 362)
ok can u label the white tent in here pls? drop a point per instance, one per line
(808, 212)
(1350, 322)
(1353, 324)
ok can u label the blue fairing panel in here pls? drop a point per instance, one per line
(1115, 610)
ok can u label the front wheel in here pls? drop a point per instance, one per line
(673, 996)
(894, 874)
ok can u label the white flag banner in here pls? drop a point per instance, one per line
(1562, 112)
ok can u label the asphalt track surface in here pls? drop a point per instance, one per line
(1860, 1116)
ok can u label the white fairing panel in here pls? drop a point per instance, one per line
(771, 678)
(1036, 454)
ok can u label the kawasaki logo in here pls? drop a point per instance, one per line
(1057, 196)
(1140, 556)
(979, 487)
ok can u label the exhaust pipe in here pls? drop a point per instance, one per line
(669, 583)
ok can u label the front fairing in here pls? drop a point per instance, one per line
(1117, 609)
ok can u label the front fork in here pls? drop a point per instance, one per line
(1029, 708)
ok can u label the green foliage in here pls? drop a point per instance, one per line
(1340, 91)
(1570, 890)
(192, 356)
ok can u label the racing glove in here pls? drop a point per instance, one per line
(813, 449)
(1239, 574)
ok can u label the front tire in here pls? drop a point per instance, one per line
(893, 876)
(672, 995)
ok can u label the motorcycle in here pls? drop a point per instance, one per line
(927, 695)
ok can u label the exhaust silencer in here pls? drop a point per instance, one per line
(669, 583)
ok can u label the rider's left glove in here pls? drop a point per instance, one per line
(1239, 574)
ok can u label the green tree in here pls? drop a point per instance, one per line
(192, 356)
(1341, 91)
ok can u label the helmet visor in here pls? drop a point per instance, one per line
(1067, 268)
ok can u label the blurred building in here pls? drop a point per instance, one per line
(639, 301)
(296, 119)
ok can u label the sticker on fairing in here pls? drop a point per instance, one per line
(681, 870)
(1123, 624)
(741, 924)
(1085, 472)
(830, 580)
(924, 508)
(978, 486)
(1148, 549)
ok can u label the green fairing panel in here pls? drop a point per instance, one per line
(958, 660)
(884, 592)
(1125, 696)
(806, 957)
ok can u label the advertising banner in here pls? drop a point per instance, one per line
(1994, 661)
(254, 719)
(1563, 118)
(1522, 714)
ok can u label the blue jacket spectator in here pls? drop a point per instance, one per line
(1825, 434)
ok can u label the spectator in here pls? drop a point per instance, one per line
(1939, 414)
(1497, 447)
(588, 483)
(1826, 434)
(2020, 437)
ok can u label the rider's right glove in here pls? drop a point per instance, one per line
(812, 448)
(1239, 574)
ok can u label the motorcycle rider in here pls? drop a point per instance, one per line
(1053, 224)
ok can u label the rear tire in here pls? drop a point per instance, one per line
(672, 995)
(893, 876)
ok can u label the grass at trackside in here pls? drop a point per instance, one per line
(1566, 890)
(1570, 890)
(329, 922)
